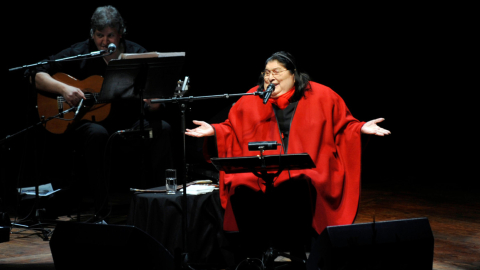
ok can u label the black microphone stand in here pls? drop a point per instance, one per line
(34, 211)
(42, 122)
(182, 104)
(38, 225)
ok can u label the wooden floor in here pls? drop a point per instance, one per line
(454, 216)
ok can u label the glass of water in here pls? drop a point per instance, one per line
(171, 181)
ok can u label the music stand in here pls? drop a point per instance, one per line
(256, 164)
(260, 166)
(141, 76)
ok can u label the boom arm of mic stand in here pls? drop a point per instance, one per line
(192, 98)
(35, 125)
(82, 56)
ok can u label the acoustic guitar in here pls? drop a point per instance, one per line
(93, 110)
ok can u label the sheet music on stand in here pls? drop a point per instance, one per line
(155, 74)
(149, 55)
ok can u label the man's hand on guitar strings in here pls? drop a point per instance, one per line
(72, 95)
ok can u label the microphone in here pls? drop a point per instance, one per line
(111, 48)
(268, 92)
(79, 106)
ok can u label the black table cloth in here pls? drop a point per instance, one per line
(160, 215)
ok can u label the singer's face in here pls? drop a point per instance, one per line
(283, 81)
(106, 36)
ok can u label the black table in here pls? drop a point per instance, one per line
(160, 215)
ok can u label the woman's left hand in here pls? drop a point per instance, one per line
(372, 128)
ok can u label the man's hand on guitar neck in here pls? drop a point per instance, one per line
(71, 94)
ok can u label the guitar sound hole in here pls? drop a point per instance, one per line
(89, 99)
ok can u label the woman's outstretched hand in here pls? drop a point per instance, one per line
(372, 128)
(204, 129)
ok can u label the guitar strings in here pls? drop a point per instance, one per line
(88, 96)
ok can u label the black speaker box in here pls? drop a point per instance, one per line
(397, 244)
(97, 246)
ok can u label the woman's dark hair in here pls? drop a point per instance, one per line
(107, 16)
(302, 80)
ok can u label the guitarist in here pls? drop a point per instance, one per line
(107, 26)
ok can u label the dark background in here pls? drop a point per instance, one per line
(410, 64)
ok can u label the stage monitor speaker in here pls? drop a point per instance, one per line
(397, 244)
(96, 246)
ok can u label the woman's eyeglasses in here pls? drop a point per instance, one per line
(275, 72)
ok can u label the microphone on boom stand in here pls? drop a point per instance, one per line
(268, 92)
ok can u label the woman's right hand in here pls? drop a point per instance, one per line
(204, 129)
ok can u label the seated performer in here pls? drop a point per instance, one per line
(305, 117)
(107, 27)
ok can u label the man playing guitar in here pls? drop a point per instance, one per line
(90, 135)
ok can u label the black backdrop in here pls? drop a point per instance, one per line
(410, 64)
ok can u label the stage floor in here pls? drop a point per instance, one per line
(453, 213)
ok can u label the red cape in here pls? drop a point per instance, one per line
(323, 127)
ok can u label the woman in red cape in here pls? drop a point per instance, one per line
(305, 117)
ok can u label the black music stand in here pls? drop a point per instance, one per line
(144, 76)
(263, 166)
(139, 78)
